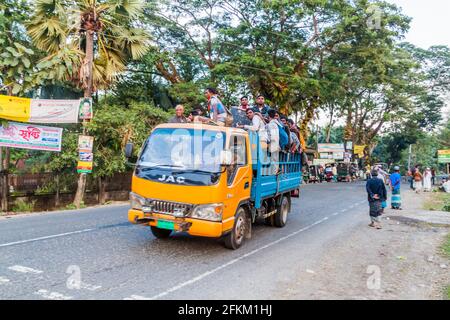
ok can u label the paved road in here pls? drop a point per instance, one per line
(97, 254)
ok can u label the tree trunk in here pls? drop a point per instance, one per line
(3, 184)
(330, 125)
(309, 115)
(88, 65)
(101, 191)
(57, 197)
(4, 170)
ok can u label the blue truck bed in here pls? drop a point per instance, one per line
(273, 178)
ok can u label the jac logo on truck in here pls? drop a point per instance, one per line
(172, 179)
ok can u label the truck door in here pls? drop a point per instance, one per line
(239, 173)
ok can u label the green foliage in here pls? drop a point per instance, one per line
(71, 206)
(16, 55)
(22, 206)
(113, 126)
(59, 29)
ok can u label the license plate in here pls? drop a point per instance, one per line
(169, 225)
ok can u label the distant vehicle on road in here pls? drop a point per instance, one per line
(343, 172)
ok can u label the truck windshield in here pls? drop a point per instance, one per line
(183, 150)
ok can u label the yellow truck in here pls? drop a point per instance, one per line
(210, 181)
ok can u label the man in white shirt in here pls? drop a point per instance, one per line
(274, 137)
(258, 124)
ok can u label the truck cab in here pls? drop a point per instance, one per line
(203, 180)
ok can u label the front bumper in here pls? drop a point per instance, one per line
(194, 227)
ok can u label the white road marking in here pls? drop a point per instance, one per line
(3, 280)
(135, 297)
(52, 295)
(335, 214)
(231, 262)
(23, 269)
(45, 238)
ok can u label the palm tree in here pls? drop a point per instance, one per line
(89, 42)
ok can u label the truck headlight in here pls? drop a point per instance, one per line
(211, 212)
(136, 201)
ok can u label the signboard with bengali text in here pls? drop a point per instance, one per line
(33, 137)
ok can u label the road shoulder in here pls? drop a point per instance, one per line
(401, 261)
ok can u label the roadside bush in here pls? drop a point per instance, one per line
(22, 206)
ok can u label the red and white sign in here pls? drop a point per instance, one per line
(54, 111)
(28, 136)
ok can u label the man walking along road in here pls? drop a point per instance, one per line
(376, 192)
(396, 181)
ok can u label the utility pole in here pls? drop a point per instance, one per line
(317, 138)
(409, 157)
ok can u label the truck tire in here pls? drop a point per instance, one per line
(280, 218)
(160, 233)
(236, 237)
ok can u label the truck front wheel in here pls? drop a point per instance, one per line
(280, 217)
(160, 233)
(235, 238)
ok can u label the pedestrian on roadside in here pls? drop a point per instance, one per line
(396, 181)
(411, 173)
(334, 170)
(427, 177)
(179, 115)
(433, 176)
(376, 193)
(418, 177)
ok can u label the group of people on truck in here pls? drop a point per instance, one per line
(276, 131)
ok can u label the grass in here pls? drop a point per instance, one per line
(22, 206)
(445, 249)
(439, 201)
(71, 206)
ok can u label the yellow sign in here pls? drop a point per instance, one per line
(444, 156)
(39, 110)
(84, 166)
(359, 150)
(14, 108)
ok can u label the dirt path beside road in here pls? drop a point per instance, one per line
(401, 261)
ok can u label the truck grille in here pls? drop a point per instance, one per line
(172, 208)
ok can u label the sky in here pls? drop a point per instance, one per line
(431, 21)
(430, 26)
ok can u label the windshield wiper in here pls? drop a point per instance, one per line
(144, 168)
(197, 171)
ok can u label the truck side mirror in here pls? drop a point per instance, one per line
(226, 157)
(128, 150)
